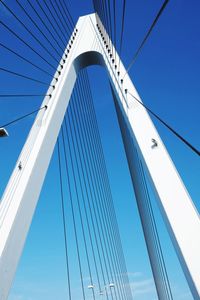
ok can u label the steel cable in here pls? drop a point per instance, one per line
(22, 117)
(26, 60)
(64, 220)
(26, 77)
(91, 141)
(72, 149)
(97, 216)
(50, 22)
(146, 36)
(94, 125)
(180, 137)
(55, 20)
(26, 43)
(76, 136)
(44, 24)
(39, 29)
(30, 32)
(72, 205)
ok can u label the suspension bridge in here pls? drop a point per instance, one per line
(66, 124)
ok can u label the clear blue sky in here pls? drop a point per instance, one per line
(166, 75)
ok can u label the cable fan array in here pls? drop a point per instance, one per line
(33, 50)
(145, 208)
(40, 31)
(84, 178)
(107, 15)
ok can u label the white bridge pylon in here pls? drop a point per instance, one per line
(22, 192)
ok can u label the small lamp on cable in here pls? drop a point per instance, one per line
(90, 286)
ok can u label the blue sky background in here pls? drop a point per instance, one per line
(166, 75)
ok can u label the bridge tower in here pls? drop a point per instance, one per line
(144, 150)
